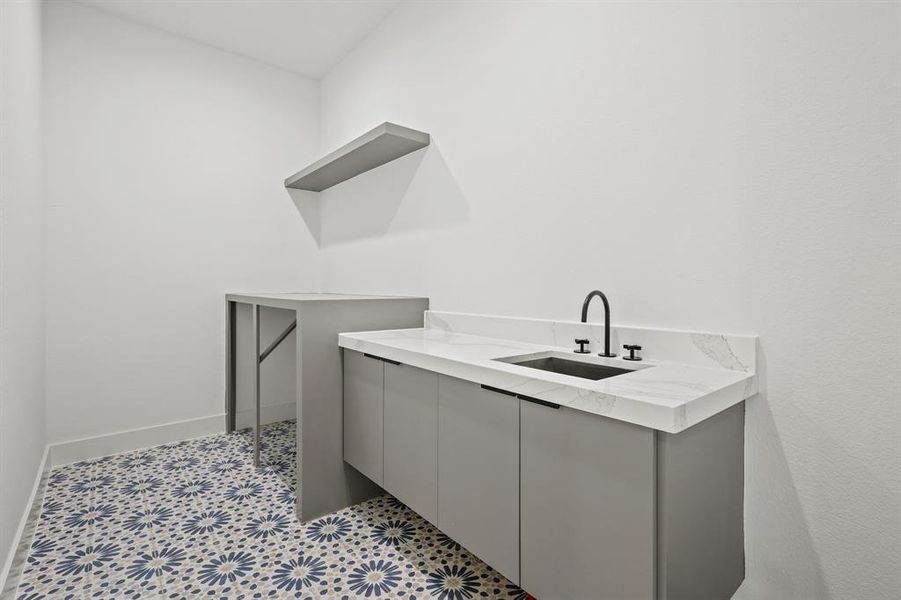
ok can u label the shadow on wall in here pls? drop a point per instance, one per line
(307, 205)
(416, 192)
(769, 490)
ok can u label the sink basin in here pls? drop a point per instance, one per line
(564, 366)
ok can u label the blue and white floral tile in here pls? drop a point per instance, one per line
(333, 534)
(253, 535)
(134, 524)
(275, 480)
(184, 494)
(384, 508)
(75, 491)
(88, 466)
(435, 545)
(429, 542)
(39, 575)
(126, 526)
(334, 582)
(302, 576)
(243, 494)
(196, 519)
(78, 563)
(126, 575)
(383, 538)
(388, 564)
(44, 588)
(136, 461)
(225, 572)
(378, 577)
(287, 499)
(136, 488)
(448, 569)
(54, 511)
(225, 470)
(100, 486)
(56, 534)
(193, 526)
(275, 523)
(145, 571)
(178, 464)
(187, 559)
(43, 552)
(460, 580)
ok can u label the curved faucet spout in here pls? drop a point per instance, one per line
(588, 299)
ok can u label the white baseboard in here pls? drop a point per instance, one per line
(63, 453)
(18, 551)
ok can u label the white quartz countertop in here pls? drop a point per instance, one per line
(666, 396)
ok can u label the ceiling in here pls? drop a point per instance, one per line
(305, 36)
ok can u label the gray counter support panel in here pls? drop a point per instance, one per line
(700, 509)
(325, 482)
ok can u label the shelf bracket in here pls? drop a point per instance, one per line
(281, 338)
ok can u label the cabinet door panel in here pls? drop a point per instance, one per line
(363, 414)
(478, 472)
(587, 502)
(411, 438)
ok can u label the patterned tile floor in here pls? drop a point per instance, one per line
(195, 519)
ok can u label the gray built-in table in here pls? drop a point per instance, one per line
(325, 483)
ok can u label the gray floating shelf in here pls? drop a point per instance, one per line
(374, 148)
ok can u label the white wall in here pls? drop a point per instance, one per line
(725, 167)
(165, 161)
(22, 432)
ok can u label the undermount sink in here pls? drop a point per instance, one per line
(565, 366)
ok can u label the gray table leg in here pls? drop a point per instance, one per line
(256, 384)
(230, 346)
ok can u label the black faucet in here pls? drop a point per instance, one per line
(606, 319)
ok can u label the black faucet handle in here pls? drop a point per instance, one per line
(582, 343)
(632, 348)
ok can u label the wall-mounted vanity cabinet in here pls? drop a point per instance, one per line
(587, 502)
(568, 505)
(411, 438)
(478, 471)
(391, 428)
(364, 406)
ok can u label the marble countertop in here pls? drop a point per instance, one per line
(666, 396)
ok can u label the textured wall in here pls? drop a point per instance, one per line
(22, 436)
(726, 167)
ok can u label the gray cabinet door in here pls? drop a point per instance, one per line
(478, 472)
(587, 502)
(411, 438)
(364, 387)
